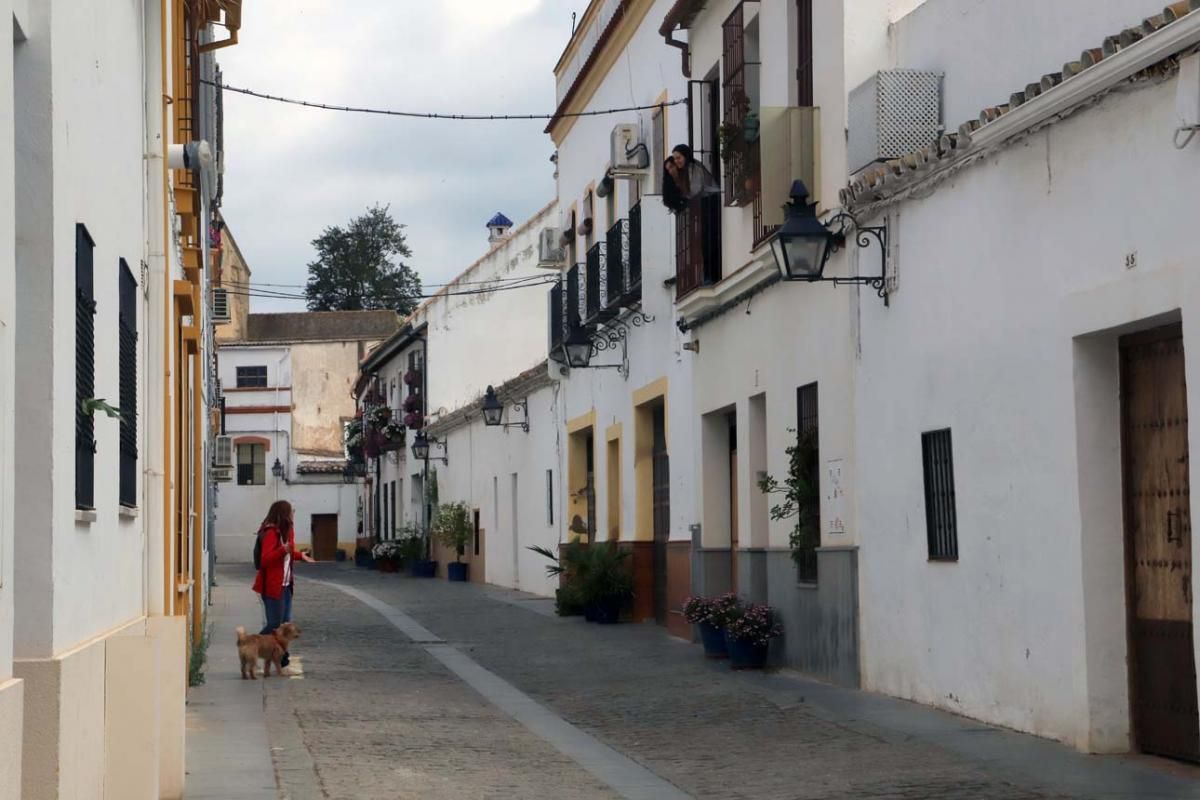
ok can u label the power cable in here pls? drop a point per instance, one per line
(435, 115)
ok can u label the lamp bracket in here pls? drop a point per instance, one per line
(614, 335)
(847, 225)
(521, 405)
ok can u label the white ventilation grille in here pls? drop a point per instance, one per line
(894, 113)
(223, 452)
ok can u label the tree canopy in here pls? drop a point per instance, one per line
(361, 267)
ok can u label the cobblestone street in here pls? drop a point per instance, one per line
(381, 712)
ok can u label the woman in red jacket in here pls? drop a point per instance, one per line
(274, 580)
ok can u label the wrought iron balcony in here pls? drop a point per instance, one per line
(599, 305)
(697, 245)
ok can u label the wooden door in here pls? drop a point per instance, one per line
(324, 536)
(661, 481)
(1158, 544)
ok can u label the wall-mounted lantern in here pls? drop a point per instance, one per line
(422, 443)
(803, 245)
(277, 469)
(493, 412)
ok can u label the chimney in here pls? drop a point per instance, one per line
(498, 228)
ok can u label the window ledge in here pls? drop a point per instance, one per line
(129, 512)
(708, 297)
(807, 586)
(84, 516)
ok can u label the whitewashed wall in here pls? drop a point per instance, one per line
(97, 567)
(646, 72)
(482, 464)
(500, 333)
(1002, 269)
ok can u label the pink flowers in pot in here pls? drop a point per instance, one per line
(715, 611)
(752, 623)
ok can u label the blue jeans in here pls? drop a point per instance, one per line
(277, 611)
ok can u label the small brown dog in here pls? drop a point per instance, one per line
(269, 647)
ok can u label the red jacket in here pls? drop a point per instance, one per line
(269, 580)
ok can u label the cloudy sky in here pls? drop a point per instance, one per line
(291, 171)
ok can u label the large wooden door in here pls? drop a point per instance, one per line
(324, 536)
(1158, 544)
(661, 480)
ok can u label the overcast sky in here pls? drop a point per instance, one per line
(290, 171)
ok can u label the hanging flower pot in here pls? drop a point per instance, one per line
(412, 402)
(411, 378)
(414, 421)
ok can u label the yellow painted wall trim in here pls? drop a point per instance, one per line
(582, 422)
(651, 391)
(612, 432)
(603, 64)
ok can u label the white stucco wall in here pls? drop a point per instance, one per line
(1002, 269)
(482, 464)
(82, 579)
(498, 333)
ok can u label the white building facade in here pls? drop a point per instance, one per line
(1023, 401)
(287, 388)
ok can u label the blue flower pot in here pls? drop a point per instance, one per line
(457, 572)
(608, 611)
(429, 569)
(746, 655)
(713, 639)
(589, 612)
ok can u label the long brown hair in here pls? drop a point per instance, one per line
(279, 515)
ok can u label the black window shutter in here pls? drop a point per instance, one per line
(85, 369)
(128, 336)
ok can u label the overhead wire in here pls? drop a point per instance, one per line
(433, 114)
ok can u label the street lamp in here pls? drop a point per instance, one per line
(420, 447)
(277, 469)
(578, 349)
(493, 412)
(493, 409)
(803, 245)
(348, 475)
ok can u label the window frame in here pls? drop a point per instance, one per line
(256, 479)
(247, 380)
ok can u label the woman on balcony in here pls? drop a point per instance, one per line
(685, 179)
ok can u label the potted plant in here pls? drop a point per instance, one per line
(605, 583)
(710, 615)
(378, 416)
(393, 436)
(363, 557)
(412, 378)
(453, 528)
(414, 420)
(747, 634)
(567, 600)
(801, 498)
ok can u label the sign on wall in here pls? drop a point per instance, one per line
(835, 497)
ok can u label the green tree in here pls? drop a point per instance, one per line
(801, 496)
(361, 267)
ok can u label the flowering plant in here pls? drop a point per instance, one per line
(387, 550)
(354, 434)
(715, 611)
(412, 402)
(752, 623)
(392, 430)
(414, 420)
(411, 377)
(379, 416)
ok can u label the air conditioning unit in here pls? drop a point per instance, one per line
(223, 452)
(551, 254)
(629, 155)
(221, 474)
(896, 112)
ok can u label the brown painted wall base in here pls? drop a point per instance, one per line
(679, 586)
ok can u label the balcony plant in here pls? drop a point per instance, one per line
(711, 615)
(393, 436)
(378, 416)
(413, 420)
(412, 378)
(412, 402)
(453, 528)
(748, 632)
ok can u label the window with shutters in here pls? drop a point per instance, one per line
(85, 368)
(127, 333)
(251, 377)
(252, 465)
(220, 305)
(941, 518)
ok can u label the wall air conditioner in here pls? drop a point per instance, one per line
(629, 156)
(221, 474)
(223, 452)
(896, 112)
(220, 305)
(551, 253)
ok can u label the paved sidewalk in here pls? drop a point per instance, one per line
(228, 752)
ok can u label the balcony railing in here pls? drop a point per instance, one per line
(697, 245)
(602, 301)
(574, 299)
(617, 259)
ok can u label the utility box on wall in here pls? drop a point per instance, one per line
(894, 113)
